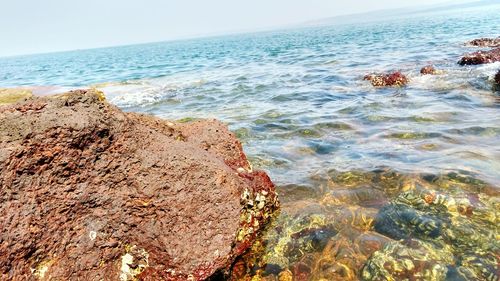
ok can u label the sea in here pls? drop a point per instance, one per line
(373, 181)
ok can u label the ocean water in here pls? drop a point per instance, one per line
(345, 156)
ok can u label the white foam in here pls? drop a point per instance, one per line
(489, 70)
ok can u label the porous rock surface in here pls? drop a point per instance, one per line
(481, 57)
(395, 79)
(430, 70)
(484, 42)
(88, 192)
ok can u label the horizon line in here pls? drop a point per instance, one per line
(303, 24)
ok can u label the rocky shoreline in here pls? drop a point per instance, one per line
(89, 193)
(398, 79)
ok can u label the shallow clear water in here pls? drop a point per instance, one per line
(333, 144)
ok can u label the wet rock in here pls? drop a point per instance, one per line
(481, 57)
(310, 241)
(430, 70)
(8, 96)
(387, 180)
(396, 79)
(362, 196)
(304, 234)
(497, 81)
(285, 242)
(484, 42)
(89, 192)
(400, 221)
(460, 225)
(408, 260)
(342, 258)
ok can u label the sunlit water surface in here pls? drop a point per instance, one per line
(374, 181)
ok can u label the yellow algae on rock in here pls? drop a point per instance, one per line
(40, 271)
(134, 256)
(8, 96)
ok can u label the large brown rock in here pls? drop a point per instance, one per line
(481, 57)
(88, 192)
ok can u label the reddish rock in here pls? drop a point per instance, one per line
(382, 80)
(88, 192)
(485, 42)
(430, 70)
(481, 57)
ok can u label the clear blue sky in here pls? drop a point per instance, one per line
(34, 26)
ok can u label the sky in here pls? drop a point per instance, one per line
(38, 26)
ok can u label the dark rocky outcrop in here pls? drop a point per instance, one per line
(484, 42)
(383, 80)
(497, 81)
(481, 57)
(88, 192)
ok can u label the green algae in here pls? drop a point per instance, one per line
(187, 120)
(307, 133)
(243, 133)
(378, 118)
(421, 119)
(413, 135)
(333, 126)
(273, 114)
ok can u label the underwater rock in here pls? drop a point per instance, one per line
(484, 42)
(382, 224)
(387, 80)
(408, 260)
(89, 192)
(481, 57)
(304, 234)
(284, 243)
(342, 258)
(430, 70)
(461, 225)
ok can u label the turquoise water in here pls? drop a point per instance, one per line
(297, 100)
(275, 88)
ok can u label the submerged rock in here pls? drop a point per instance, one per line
(445, 233)
(381, 225)
(408, 260)
(383, 80)
(485, 42)
(89, 192)
(481, 57)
